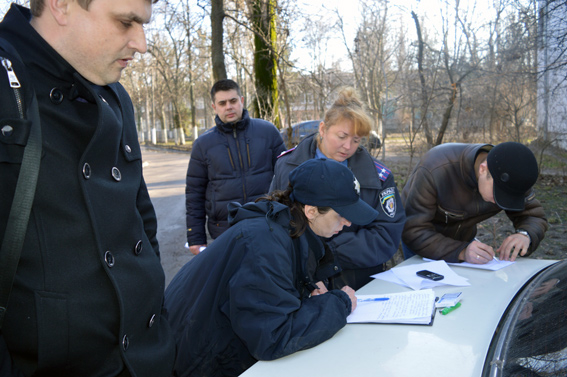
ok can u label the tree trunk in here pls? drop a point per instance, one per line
(424, 97)
(447, 115)
(265, 59)
(217, 33)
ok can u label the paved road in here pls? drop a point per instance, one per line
(164, 173)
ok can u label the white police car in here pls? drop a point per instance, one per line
(511, 322)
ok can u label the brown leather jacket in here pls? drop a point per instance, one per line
(443, 205)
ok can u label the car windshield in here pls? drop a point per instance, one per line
(531, 339)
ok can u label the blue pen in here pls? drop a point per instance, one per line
(374, 299)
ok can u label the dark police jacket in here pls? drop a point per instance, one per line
(87, 297)
(361, 250)
(443, 205)
(232, 162)
(246, 297)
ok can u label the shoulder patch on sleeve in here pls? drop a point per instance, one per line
(286, 152)
(388, 201)
(383, 172)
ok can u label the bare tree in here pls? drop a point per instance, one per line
(263, 19)
(424, 93)
(217, 39)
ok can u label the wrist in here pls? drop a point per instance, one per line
(525, 233)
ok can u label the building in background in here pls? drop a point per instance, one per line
(552, 78)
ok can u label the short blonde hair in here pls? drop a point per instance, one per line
(37, 6)
(348, 106)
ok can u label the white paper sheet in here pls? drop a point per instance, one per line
(493, 265)
(407, 277)
(406, 307)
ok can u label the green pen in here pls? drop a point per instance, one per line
(450, 309)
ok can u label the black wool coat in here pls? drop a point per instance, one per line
(87, 297)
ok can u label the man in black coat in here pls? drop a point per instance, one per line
(88, 292)
(232, 162)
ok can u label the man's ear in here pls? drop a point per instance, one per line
(483, 168)
(310, 211)
(59, 10)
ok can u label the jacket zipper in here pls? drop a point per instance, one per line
(248, 152)
(230, 158)
(240, 160)
(14, 84)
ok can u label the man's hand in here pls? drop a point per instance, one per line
(350, 292)
(513, 245)
(477, 253)
(196, 249)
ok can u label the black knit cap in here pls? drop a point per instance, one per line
(514, 170)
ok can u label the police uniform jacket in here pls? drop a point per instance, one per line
(88, 293)
(361, 250)
(232, 162)
(246, 297)
(443, 204)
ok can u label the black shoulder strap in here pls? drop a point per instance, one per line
(23, 197)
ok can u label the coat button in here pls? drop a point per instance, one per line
(116, 174)
(56, 96)
(7, 130)
(109, 258)
(138, 248)
(86, 171)
(125, 342)
(127, 148)
(152, 321)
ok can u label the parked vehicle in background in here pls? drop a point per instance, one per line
(299, 131)
(303, 129)
(373, 141)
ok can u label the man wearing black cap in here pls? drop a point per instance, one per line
(456, 186)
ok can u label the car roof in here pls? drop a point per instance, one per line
(455, 345)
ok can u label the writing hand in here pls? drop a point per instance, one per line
(477, 253)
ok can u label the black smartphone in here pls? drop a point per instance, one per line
(429, 275)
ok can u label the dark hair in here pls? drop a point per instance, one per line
(298, 221)
(224, 85)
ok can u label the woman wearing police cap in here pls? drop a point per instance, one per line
(361, 250)
(248, 296)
